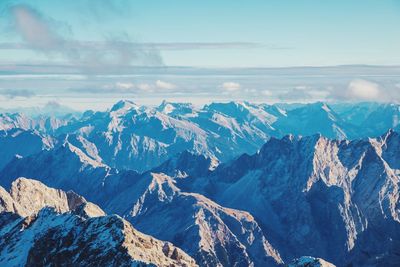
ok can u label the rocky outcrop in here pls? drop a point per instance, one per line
(212, 234)
(340, 197)
(62, 228)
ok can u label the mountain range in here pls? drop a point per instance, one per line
(129, 136)
(228, 184)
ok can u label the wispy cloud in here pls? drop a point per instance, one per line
(38, 33)
(126, 87)
(13, 93)
(230, 86)
(364, 90)
(165, 85)
(47, 36)
(34, 28)
(298, 93)
(100, 10)
(43, 34)
(105, 45)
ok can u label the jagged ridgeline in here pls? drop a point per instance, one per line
(228, 184)
(129, 136)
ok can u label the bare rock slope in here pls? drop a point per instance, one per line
(41, 226)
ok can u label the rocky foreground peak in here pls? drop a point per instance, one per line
(42, 225)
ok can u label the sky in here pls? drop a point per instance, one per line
(95, 51)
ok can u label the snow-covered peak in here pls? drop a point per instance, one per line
(166, 108)
(179, 109)
(124, 105)
(230, 108)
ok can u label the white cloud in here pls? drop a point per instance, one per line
(165, 85)
(46, 35)
(145, 87)
(298, 93)
(13, 93)
(266, 93)
(301, 87)
(126, 86)
(364, 90)
(230, 86)
(34, 29)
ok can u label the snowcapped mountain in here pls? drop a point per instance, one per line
(373, 118)
(337, 195)
(133, 137)
(45, 226)
(140, 138)
(314, 118)
(340, 196)
(129, 136)
(16, 120)
(81, 173)
(176, 109)
(54, 108)
(42, 123)
(388, 115)
(243, 194)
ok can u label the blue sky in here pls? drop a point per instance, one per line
(90, 37)
(273, 33)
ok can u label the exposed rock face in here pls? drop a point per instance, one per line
(29, 196)
(334, 199)
(213, 235)
(7, 203)
(32, 196)
(187, 164)
(62, 228)
(220, 227)
(340, 197)
(44, 124)
(68, 239)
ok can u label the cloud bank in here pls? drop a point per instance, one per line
(13, 93)
(364, 90)
(127, 87)
(230, 86)
(40, 33)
